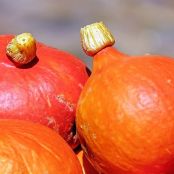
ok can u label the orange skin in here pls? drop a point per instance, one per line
(86, 166)
(45, 90)
(125, 115)
(28, 148)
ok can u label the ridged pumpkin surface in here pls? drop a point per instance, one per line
(28, 148)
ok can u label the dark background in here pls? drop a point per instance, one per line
(140, 26)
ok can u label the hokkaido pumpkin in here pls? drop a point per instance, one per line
(30, 148)
(44, 90)
(86, 166)
(125, 114)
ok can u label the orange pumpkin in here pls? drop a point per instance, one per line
(86, 166)
(125, 115)
(29, 148)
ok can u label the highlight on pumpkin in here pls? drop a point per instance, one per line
(95, 37)
(22, 48)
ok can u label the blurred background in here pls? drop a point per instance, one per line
(139, 26)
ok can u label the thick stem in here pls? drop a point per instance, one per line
(97, 41)
(22, 48)
(95, 37)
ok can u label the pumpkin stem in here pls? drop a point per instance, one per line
(95, 37)
(22, 48)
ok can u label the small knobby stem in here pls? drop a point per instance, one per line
(22, 48)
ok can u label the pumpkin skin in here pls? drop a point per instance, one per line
(86, 166)
(44, 91)
(125, 114)
(30, 148)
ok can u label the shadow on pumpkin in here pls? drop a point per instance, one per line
(26, 66)
(86, 166)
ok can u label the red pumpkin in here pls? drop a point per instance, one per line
(45, 90)
(125, 114)
(28, 148)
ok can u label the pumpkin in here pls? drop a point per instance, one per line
(86, 165)
(44, 90)
(125, 114)
(30, 148)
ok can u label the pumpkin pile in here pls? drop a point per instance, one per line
(122, 115)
